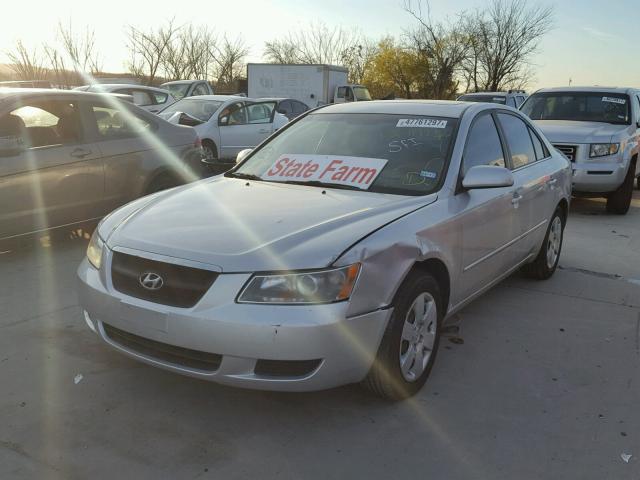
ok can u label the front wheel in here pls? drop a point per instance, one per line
(409, 346)
(546, 262)
(619, 201)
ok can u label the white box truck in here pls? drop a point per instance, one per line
(313, 85)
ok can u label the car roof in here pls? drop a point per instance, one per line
(219, 98)
(114, 86)
(592, 89)
(178, 82)
(487, 94)
(436, 108)
(9, 93)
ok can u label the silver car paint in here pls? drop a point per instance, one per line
(48, 187)
(475, 238)
(589, 174)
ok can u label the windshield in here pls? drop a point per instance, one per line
(578, 106)
(197, 108)
(483, 98)
(401, 154)
(178, 90)
(361, 93)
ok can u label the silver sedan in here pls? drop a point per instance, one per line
(69, 157)
(332, 253)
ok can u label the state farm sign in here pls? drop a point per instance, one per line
(355, 171)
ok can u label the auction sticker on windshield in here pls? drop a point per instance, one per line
(353, 171)
(421, 123)
(621, 101)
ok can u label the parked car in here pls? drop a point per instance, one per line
(288, 107)
(188, 88)
(332, 253)
(226, 124)
(512, 98)
(598, 129)
(150, 98)
(26, 84)
(69, 157)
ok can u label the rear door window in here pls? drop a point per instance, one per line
(518, 138)
(483, 144)
(299, 107)
(113, 123)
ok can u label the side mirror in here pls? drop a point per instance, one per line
(223, 120)
(487, 176)
(242, 154)
(188, 120)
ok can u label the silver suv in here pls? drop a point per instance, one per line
(511, 98)
(598, 129)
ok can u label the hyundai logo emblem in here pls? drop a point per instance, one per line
(151, 281)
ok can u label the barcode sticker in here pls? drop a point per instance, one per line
(621, 101)
(421, 123)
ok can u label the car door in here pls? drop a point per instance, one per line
(532, 181)
(486, 217)
(285, 107)
(298, 108)
(245, 126)
(129, 152)
(56, 177)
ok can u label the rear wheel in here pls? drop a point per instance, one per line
(546, 262)
(409, 346)
(210, 151)
(619, 201)
(163, 182)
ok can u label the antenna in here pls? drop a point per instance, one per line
(569, 81)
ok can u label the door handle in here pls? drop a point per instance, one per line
(552, 182)
(515, 201)
(80, 153)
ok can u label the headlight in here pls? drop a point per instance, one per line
(94, 250)
(603, 149)
(322, 286)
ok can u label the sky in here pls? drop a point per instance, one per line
(592, 42)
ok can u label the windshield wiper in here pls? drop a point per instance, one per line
(245, 176)
(316, 183)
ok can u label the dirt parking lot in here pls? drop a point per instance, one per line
(534, 381)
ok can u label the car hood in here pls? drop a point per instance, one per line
(564, 131)
(240, 226)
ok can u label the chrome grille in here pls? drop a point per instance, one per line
(568, 150)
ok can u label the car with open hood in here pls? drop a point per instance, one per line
(598, 129)
(332, 253)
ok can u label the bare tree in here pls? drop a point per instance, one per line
(317, 44)
(147, 48)
(228, 59)
(443, 45)
(506, 36)
(188, 55)
(61, 74)
(27, 64)
(80, 49)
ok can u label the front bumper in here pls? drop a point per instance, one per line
(240, 334)
(598, 177)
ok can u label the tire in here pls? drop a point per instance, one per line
(210, 151)
(163, 182)
(547, 260)
(619, 201)
(396, 374)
